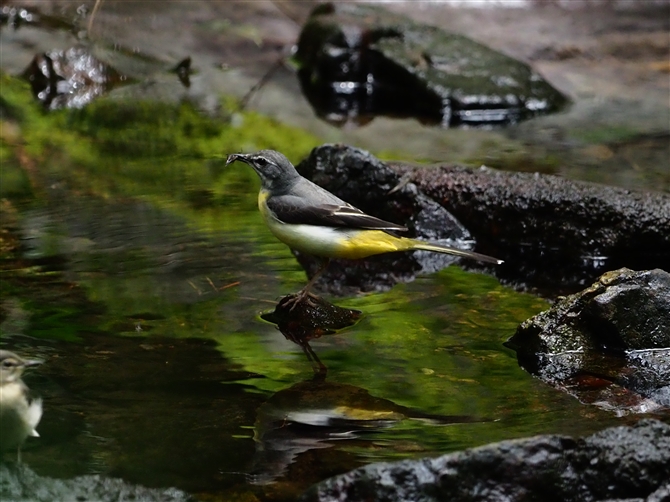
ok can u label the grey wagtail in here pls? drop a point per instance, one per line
(312, 220)
(18, 414)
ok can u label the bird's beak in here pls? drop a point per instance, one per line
(237, 156)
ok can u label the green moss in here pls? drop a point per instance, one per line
(14, 182)
(604, 134)
(172, 156)
(116, 147)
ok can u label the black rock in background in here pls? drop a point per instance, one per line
(358, 61)
(555, 235)
(71, 78)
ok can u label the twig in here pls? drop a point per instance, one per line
(97, 5)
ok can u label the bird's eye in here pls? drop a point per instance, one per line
(8, 363)
(261, 162)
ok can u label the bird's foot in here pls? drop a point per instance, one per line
(301, 297)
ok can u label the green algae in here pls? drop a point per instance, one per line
(116, 147)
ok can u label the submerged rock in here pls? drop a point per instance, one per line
(308, 319)
(71, 78)
(19, 483)
(608, 345)
(620, 463)
(359, 60)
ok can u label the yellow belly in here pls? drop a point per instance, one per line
(331, 242)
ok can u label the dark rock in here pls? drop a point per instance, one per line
(71, 78)
(529, 220)
(313, 317)
(369, 184)
(620, 463)
(19, 483)
(609, 344)
(524, 208)
(310, 318)
(624, 310)
(14, 16)
(532, 220)
(660, 495)
(360, 60)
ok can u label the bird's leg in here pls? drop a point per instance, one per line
(304, 292)
(317, 366)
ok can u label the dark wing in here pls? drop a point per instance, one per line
(327, 215)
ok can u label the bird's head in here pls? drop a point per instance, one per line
(273, 168)
(11, 366)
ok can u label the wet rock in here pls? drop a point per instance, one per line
(313, 317)
(14, 16)
(624, 310)
(620, 463)
(310, 318)
(71, 78)
(19, 483)
(552, 232)
(358, 61)
(608, 345)
(367, 183)
(548, 211)
(555, 235)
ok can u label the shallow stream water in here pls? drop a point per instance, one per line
(160, 370)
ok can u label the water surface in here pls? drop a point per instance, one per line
(160, 370)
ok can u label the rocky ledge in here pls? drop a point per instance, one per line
(629, 464)
(608, 345)
(555, 235)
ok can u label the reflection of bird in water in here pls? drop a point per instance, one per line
(18, 414)
(312, 220)
(315, 414)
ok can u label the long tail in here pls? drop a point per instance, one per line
(439, 248)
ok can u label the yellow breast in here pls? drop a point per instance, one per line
(330, 242)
